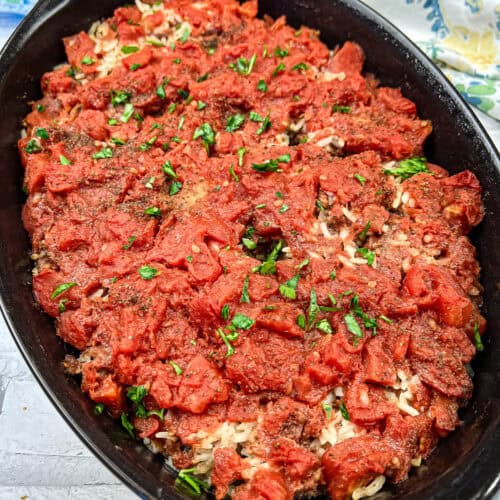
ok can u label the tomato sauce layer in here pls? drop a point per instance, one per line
(238, 230)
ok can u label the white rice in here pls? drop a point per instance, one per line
(108, 47)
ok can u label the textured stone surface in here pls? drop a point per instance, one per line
(40, 456)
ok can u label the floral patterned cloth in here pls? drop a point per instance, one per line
(461, 36)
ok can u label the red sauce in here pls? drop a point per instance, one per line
(206, 264)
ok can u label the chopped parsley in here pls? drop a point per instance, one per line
(175, 188)
(146, 146)
(313, 309)
(128, 112)
(353, 327)
(327, 408)
(344, 412)
(333, 274)
(137, 393)
(181, 122)
(245, 297)
(255, 117)
(42, 133)
(233, 173)
(127, 424)
(385, 319)
(201, 105)
(269, 265)
(99, 409)
(202, 78)
(369, 255)
(279, 69)
(153, 211)
(103, 153)
(129, 49)
(61, 289)
(367, 321)
(271, 165)
(155, 43)
(477, 338)
(242, 322)
(195, 486)
(301, 321)
(234, 122)
(279, 52)
(177, 60)
(250, 244)
(324, 326)
(160, 91)
(32, 147)
(119, 97)
(360, 179)
(300, 67)
(337, 108)
(241, 154)
(262, 86)
(40, 108)
(64, 161)
(244, 66)
(227, 339)
(288, 290)
(130, 242)
(266, 125)
(206, 133)
(118, 141)
(283, 208)
(148, 273)
(363, 234)
(183, 93)
(224, 312)
(169, 170)
(171, 107)
(408, 168)
(185, 35)
(176, 367)
(134, 67)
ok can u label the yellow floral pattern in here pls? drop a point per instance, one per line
(461, 36)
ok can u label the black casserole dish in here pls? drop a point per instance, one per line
(464, 465)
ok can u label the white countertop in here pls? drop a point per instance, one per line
(40, 456)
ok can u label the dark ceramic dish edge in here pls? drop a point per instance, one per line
(475, 474)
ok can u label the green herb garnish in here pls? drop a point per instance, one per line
(61, 289)
(129, 49)
(234, 122)
(262, 86)
(176, 367)
(103, 153)
(271, 165)
(206, 133)
(408, 168)
(127, 424)
(245, 297)
(148, 273)
(175, 188)
(336, 108)
(477, 338)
